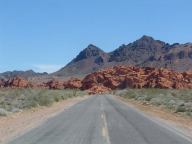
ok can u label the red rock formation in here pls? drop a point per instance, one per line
(73, 83)
(120, 77)
(98, 89)
(17, 82)
(54, 84)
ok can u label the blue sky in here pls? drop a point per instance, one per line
(44, 35)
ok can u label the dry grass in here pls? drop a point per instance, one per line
(177, 101)
(15, 100)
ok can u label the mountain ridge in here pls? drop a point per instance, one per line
(144, 52)
(25, 74)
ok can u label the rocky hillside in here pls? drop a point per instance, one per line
(145, 51)
(117, 77)
(90, 59)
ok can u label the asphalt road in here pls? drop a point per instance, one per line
(100, 120)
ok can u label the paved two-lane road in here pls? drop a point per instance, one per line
(100, 120)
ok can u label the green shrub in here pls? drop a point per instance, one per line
(3, 112)
(180, 109)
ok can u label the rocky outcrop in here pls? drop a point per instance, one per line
(117, 77)
(54, 84)
(17, 82)
(98, 89)
(120, 77)
(73, 83)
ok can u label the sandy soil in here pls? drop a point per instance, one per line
(19, 123)
(179, 123)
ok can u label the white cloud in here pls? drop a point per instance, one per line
(47, 67)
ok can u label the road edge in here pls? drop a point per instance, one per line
(72, 102)
(158, 120)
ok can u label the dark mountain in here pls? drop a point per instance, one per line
(89, 60)
(90, 51)
(138, 51)
(177, 57)
(24, 74)
(143, 52)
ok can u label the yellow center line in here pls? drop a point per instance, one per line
(105, 133)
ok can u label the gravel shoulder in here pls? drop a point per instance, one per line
(18, 123)
(175, 122)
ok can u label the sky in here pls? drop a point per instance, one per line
(44, 35)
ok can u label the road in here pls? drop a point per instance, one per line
(100, 120)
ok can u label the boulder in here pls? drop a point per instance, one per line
(98, 89)
(55, 84)
(73, 83)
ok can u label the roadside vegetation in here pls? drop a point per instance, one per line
(177, 101)
(15, 100)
